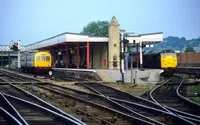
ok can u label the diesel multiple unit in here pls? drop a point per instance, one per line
(36, 61)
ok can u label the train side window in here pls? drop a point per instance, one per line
(38, 58)
(47, 58)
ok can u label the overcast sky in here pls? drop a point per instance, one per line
(33, 20)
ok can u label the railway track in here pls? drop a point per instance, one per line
(189, 96)
(16, 77)
(145, 112)
(30, 113)
(8, 88)
(114, 93)
(100, 109)
(7, 119)
(20, 93)
(100, 100)
(137, 110)
(82, 113)
(168, 96)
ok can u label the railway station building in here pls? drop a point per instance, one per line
(73, 50)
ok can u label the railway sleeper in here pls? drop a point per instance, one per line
(103, 110)
(97, 118)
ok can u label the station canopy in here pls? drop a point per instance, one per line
(146, 39)
(75, 37)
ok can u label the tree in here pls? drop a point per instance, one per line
(189, 49)
(96, 28)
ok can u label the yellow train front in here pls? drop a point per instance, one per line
(36, 62)
(165, 59)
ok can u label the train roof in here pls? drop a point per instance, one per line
(32, 52)
(152, 52)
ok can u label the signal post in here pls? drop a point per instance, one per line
(15, 46)
(123, 43)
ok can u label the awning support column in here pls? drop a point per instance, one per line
(66, 58)
(52, 59)
(88, 55)
(58, 58)
(78, 56)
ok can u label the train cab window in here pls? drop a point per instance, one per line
(163, 55)
(38, 58)
(47, 58)
(173, 54)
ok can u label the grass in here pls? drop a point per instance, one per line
(191, 90)
(136, 89)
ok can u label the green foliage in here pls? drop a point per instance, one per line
(172, 42)
(96, 28)
(189, 49)
(176, 43)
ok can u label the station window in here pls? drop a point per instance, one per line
(38, 58)
(47, 58)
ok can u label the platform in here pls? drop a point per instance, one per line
(146, 76)
(111, 75)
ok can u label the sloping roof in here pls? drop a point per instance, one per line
(149, 38)
(57, 36)
(114, 21)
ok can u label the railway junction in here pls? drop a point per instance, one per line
(84, 89)
(90, 102)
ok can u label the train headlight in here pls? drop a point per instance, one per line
(50, 73)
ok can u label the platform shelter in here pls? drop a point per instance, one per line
(73, 50)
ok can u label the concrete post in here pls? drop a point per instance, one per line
(114, 44)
